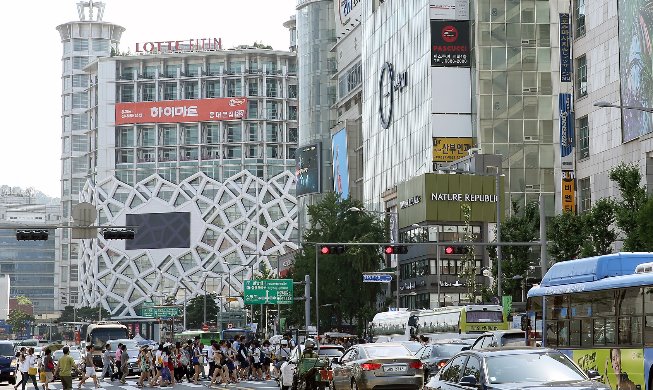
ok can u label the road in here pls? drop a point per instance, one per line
(131, 385)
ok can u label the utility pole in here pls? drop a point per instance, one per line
(307, 301)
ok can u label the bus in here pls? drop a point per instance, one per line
(97, 334)
(451, 319)
(205, 337)
(599, 312)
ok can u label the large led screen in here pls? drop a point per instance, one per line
(159, 231)
(307, 169)
(635, 28)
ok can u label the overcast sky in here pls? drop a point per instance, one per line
(30, 147)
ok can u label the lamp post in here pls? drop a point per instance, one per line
(394, 220)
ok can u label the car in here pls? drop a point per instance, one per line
(413, 346)
(8, 363)
(377, 365)
(513, 368)
(326, 351)
(500, 339)
(436, 355)
(77, 368)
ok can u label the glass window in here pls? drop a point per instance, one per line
(169, 135)
(171, 70)
(252, 132)
(292, 134)
(191, 91)
(80, 81)
(252, 109)
(557, 307)
(100, 45)
(80, 100)
(585, 194)
(252, 88)
(581, 76)
(127, 93)
(215, 68)
(234, 133)
(452, 372)
(212, 133)
(473, 368)
(579, 18)
(148, 92)
(190, 135)
(79, 62)
(213, 89)
(80, 44)
(194, 69)
(581, 305)
(170, 91)
(629, 301)
(234, 88)
(583, 137)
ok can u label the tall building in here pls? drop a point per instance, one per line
(317, 93)
(28, 266)
(83, 41)
(611, 64)
(194, 145)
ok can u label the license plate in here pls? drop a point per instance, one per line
(395, 368)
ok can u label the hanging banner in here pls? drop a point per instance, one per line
(566, 132)
(568, 192)
(565, 49)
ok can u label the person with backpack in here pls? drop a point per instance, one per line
(48, 368)
(243, 360)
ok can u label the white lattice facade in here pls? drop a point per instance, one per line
(238, 226)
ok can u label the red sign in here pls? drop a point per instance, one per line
(205, 327)
(138, 329)
(174, 111)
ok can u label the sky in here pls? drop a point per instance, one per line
(30, 144)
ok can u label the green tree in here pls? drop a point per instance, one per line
(17, 319)
(598, 234)
(195, 310)
(83, 314)
(23, 300)
(633, 198)
(469, 271)
(522, 226)
(645, 225)
(565, 233)
(340, 276)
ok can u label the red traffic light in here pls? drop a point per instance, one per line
(389, 250)
(332, 249)
(395, 249)
(324, 250)
(449, 250)
(456, 250)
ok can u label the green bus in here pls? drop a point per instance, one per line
(205, 336)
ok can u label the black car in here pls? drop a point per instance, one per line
(500, 339)
(436, 355)
(513, 368)
(8, 363)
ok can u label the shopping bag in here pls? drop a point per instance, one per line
(31, 371)
(42, 376)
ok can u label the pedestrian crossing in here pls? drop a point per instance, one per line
(131, 384)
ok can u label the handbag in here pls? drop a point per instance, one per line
(31, 371)
(42, 378)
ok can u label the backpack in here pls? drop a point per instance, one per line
(50, 364)
(184, 359)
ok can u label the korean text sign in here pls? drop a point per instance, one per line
(174, 111)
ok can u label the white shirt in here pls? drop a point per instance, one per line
(209, 354)
(27, 363)
(287, 371)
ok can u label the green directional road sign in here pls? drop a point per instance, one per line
(269, 291)
(160, 311)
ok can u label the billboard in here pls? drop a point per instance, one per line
(620, 368)
(568, 192)
(175, 111)
(565, 48)
(448, 149)
(635, 66)
(567, 139)
(340, 164)
(449, 9)
(450, 43)
(159, 231)
(307, 169)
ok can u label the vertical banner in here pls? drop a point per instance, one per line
(340, 163)
(565, 49)
(566, 132)
(568, 192)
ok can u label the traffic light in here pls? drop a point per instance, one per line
(456, 250)
(32, 235)
(118, 234)
(395, 249)
(332, 249)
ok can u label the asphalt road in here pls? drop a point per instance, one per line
(131, 385)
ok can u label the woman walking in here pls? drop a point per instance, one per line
(48, 368)
(30, 370)
(144, 365)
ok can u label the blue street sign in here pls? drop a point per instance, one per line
(377, 278)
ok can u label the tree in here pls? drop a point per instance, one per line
(23, 300)
(597, 232)
(195, 310)
(83, 314)
(340, 276)
(469, 270)
(645, 225)
(17, 319)
(566, 237)
(633, 198)
(521, 226)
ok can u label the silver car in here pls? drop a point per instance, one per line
(366, 366)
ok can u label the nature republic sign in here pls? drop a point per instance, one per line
(439, 197)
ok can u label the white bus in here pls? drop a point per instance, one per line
(99, 333)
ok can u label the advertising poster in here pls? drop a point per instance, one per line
(307, 169)
(450, 43)
(619, 368)
(340, 164)
(175, 111)
(448, 149)
(568, 192)
(567, 138)
(565, 49)
(635, 66)
(449, 9)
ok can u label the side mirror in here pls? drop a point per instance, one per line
(593, 375)
(468, 380)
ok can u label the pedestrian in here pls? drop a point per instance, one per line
(195, 359)
(209, 357)
(286, 378)
(65, 368)
(48, 368)
(20, 357)
(107, 369)
(165, 371)
(89, 368)
(144, 365)
(172, 363)
(29, 369)
(124, 364)
(231, 362)
(118, 373)
(266, 350)
(257, 361)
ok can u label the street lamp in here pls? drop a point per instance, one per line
(612, 105)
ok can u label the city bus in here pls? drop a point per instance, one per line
(97, 334)
(451, 319)
(205, 337)
(599, 312)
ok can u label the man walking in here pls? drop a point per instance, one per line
(107, 370)
(124, 359)
(90, 368)
(64, 369)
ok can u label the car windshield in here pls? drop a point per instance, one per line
(413, 346)
(331, 352)
(484, 316)
(533, 367)
(384, 351)
(6, 350)
(76, 355)
(445, 350)
(514, 339)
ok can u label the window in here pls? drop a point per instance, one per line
(127, 73)
(170, 91)
(215, 68)
(580, 18)
(171, 70)
(292, 134)
(585, 194)
(252, 109)
(252, 132)
(292, 91)
(148, 93)
(292, 113)
(191, 91)
(124, 156)
(79, 62)
(147, 136)
(234, 133)
(80, 100)
(80, 44)
(190, 135)
(100, 45)
(272, 110)
(581, 76)
(194, 69)
(473, 368)
(583, 138)
(169, 135)
(234, 88)
(212, 133)
(125, 138)
(452, 372)
(272, 132)
(80, 81)
(271, 88)
(351, 79)
(213, 89)
(252, 88)
(127, 93)
(79, 122)
(149, 72)
(236, 67)
(232, 152)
